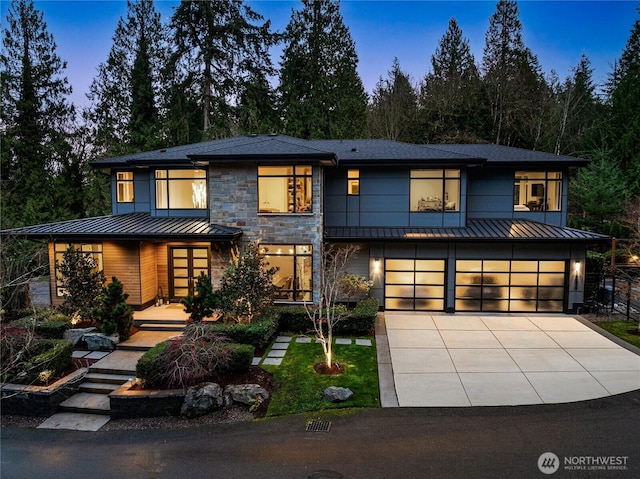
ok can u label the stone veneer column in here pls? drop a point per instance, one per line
(233, 200)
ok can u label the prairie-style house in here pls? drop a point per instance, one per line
(449, 228)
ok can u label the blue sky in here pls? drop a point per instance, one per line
(558, 32)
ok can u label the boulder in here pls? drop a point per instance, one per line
(101, 342)
(248, 394)
(75, 334)
(202, 399)
(336, 394)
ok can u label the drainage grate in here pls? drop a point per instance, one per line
(316, 425)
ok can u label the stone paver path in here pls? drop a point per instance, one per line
(279, 348)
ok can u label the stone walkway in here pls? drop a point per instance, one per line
(281, 344)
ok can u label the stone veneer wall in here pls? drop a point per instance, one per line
(233, 193)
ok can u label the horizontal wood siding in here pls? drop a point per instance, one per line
(55, 300)
(162, 269)
(148, 272)
(122, 260)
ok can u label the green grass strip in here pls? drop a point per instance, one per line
(626, 330)
(300, 389)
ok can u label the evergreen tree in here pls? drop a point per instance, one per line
(393, 111)
(513, 80)
(450, 96)
(35, 114)
(217, 51)
(624, 105)
(256, 111)
(320, 91)
(126, 92)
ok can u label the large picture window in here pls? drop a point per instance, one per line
(294, 279)
(537, 191)
(93, 249)
(285, 189)
(181, 189)
(435, 190)
(124, 186)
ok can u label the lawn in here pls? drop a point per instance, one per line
(300, 389)
(623, 329)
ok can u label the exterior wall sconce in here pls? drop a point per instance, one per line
(577, 266)
(376, 265)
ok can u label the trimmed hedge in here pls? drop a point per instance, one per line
(241, 357)
(147, 367)
(361, 319)
(258, 334)
(51, 329)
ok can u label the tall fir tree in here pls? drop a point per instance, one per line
(36, 116)
(623, 107)
(513, 80)
(393, 110)
(256, 111)
(218, 50)
(321, 94)
(126, 92)
(450, 95)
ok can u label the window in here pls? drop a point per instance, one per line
(285, 189)
(181, 189)
(353, 182)
(94, 249)
(537, 191)
(294, 279)
(435, 190)
(124, 186)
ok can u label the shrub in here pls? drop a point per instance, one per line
(114, 314)
(258, 333)
(53, 355)
(81, 282)
(203, 303)
(51, 329)
(293, 319)
(361, 320)
(199, 355)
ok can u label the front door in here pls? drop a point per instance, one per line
(185, 265)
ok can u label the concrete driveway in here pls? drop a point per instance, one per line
(494, 360)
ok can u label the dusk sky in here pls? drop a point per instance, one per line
(558, 32)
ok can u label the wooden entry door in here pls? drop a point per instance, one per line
(185, 265)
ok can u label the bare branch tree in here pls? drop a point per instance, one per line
(328, 313)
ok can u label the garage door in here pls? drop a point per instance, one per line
(414, 284)
(518, 286)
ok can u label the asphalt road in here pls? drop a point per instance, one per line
(490, 442)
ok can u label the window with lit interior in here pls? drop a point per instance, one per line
(92, 249)
(285, 189)
(181, 189)
(353, 182)
(124, 186)
(537, 191)
(435, 190)
(294, 279)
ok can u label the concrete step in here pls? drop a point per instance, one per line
(138, 322)
(75, 421)
(88, 403)
(145, 340)
(146, 326)
(116, 379)
(118, 363)
(98, 388)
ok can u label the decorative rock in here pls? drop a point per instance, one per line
(74, 335)
(247, 394)
(100, 342)
(336, 394)
(202, 399)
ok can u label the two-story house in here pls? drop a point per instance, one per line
(441, 227)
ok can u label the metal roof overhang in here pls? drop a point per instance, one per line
(476, 230)
(130, 227)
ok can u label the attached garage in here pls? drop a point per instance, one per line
(510, 286)
(415, 284)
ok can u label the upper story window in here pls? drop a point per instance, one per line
(181, 189)
(537, 191)
(124, 186)
(435, 190)
(285, 189)
(353, 182)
